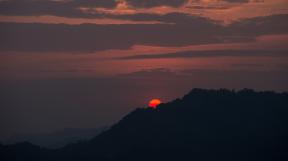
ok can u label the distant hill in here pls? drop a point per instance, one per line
(204, 125)
(57, 139)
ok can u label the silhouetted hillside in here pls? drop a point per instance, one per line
(58, 139)
(203, 125)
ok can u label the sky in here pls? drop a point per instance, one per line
(87, 63)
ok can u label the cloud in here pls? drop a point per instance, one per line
(49, 7)
(185, 30)
(71, 21)
(155, 3)
(155, 74)
(215, 53)
(48, 37)
(175, 17)
(72, 8)
(108, 8)
(273, 24)
(237, 1)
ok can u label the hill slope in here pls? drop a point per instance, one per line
(57, 139)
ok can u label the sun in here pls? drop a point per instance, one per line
(154, 103)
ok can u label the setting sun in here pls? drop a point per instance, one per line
(154, 103)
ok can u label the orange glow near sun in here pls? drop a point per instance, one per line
(154, 103)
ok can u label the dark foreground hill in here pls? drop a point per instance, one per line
(58, 139)
(204, 125)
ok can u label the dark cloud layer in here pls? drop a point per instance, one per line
(71, 8)
(274, 24)
(186, 30)
(48, 7)
(45, 37)
(216, 53)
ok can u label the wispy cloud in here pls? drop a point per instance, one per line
(215, 53)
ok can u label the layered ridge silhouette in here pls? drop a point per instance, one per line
(203, 125)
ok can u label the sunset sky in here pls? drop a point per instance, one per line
(87, 63)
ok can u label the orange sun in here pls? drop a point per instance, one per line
(154, 103)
